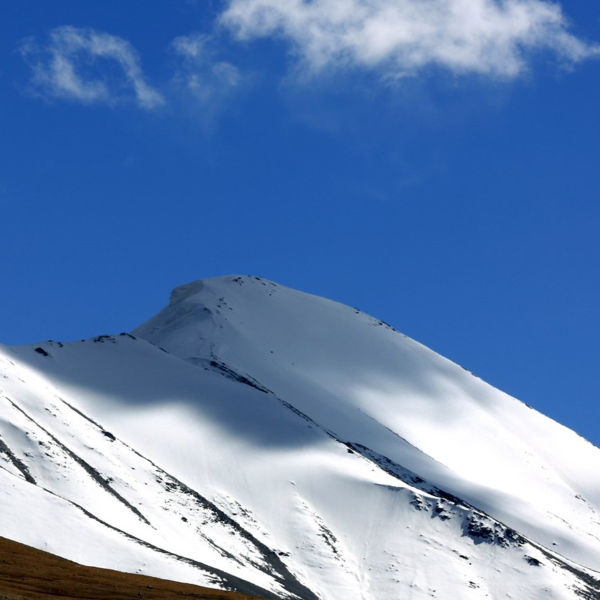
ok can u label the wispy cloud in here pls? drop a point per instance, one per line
(397, 38)
(76, 65)
(201, 76)
(192, 47)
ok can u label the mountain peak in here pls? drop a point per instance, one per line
(187, 326)
(185, 291)
(280, 435)
(217, 284)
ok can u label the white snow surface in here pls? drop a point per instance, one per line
(254, 437)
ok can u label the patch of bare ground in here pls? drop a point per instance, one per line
(30, 574)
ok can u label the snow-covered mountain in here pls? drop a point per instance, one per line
(257, 438)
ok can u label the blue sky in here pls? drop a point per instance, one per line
(433, 163)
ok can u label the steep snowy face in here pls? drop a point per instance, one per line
(256, 438)
(368, 384)
(72, 487)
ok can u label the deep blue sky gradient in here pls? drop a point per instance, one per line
(463, 211)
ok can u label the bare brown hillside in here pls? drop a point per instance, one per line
(30, 574)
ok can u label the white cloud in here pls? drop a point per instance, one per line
(401, 37)
(75, 65)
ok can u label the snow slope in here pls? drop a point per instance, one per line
(259, 438)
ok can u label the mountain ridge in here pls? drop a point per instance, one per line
(336, 443)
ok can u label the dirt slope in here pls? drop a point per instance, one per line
(30, 574)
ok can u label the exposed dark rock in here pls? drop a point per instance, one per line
(16, 461)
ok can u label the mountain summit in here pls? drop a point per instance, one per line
(256, 438)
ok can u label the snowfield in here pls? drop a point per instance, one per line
(257, 438)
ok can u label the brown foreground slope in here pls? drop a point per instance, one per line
(30, 574)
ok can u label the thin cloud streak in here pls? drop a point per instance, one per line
(399, 38)
(70, 67)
